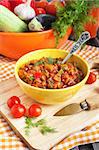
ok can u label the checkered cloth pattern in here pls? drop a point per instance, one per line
(9, 140)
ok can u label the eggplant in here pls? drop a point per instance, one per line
(41, 22)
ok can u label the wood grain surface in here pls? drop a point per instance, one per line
(64, 125)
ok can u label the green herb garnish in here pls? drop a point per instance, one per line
(38, 63)
(50, 60)
(31, 78)
(73, 14)
(29, 124)
(45, 129)
(41, 125)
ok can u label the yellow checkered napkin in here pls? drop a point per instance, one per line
(8, 139)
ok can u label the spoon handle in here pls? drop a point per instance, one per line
(85, 36)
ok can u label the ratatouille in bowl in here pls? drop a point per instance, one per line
(42, 77)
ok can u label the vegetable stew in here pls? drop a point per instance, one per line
(49, 73)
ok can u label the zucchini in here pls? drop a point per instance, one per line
(9, 22)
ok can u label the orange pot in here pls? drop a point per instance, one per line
(92, 27)
(14, 45)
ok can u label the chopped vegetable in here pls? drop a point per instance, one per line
(49, 73)
(37, 75)
(49, 67)
(32, 78)
(38, 63)
(50, 60)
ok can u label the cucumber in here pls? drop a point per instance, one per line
(9, 22)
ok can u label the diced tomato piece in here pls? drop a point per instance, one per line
(37, 75)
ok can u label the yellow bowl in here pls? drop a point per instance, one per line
(51, 96)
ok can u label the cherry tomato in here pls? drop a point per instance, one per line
(12, 101)
(91, 78)
(51, 8)
(41, 4)
(18, 110)
(40, 11)
(37, 75)
(34, 110)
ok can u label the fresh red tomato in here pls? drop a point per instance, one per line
(5, 3)
(91, 78)
(51, 8)
(34, 110)
(18, 110)
(12, 101)
(40, 11)
(41, 4)
(33, 4)
(37, 75)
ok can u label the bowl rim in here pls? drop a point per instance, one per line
(52, 90)
(26, 33)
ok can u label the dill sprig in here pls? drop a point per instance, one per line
(46, 129)
(41, 125)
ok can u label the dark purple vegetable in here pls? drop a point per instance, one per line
(41, 22)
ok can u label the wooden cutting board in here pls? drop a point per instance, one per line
(64, 125)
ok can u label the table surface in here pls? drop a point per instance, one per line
(93, 146)
(87, 53)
